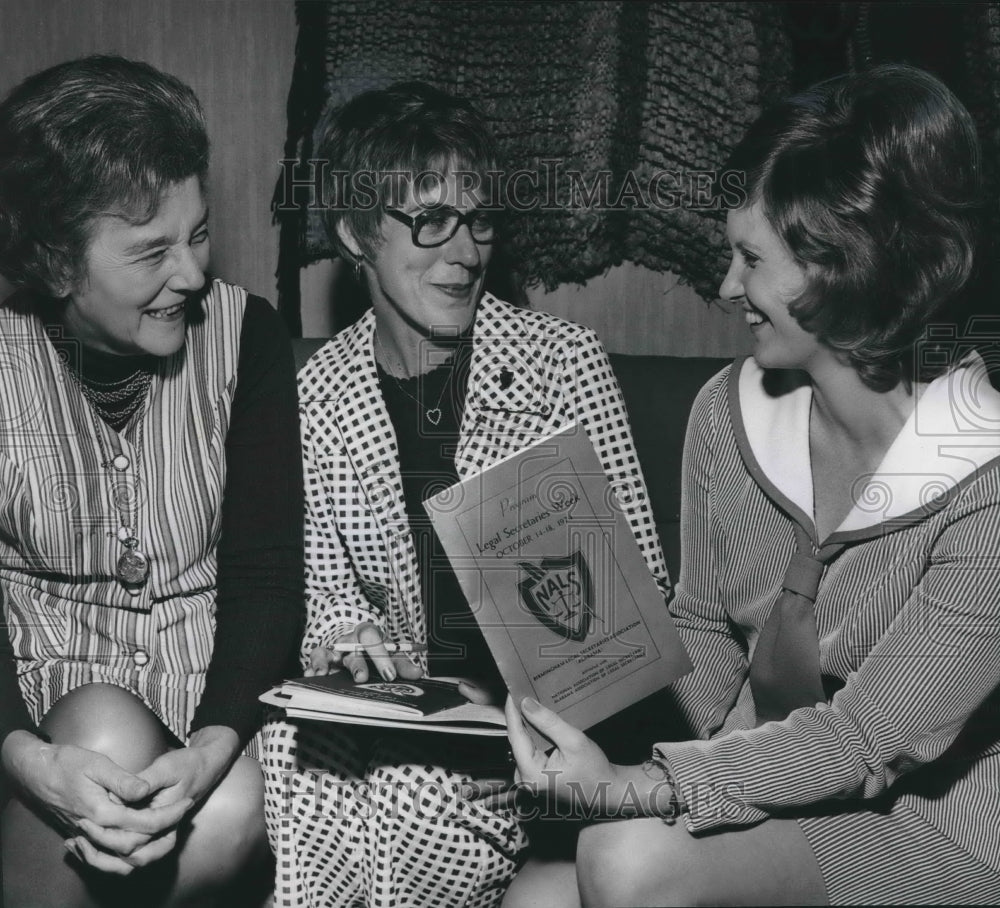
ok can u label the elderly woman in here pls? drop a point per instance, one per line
(150, 503)
(840, 587)
(436, 382)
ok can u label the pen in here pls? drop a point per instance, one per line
(388, 644)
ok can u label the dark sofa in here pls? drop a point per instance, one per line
(659, 391)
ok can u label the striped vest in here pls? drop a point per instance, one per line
(71, 621)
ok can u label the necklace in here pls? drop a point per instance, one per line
(120, 400)
(433, 414)
(132, 567)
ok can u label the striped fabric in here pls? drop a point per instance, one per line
(71, 622)
(530, 373)
(905, 757)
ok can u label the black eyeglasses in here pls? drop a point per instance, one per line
(435, 226)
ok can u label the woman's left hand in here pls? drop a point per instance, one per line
(576, 770)
(188, 775)
(193, 771)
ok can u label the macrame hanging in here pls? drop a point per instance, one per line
(604, 102)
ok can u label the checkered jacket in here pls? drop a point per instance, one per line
(530, 374)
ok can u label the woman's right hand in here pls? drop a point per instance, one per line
(89, 795)
(369, 642)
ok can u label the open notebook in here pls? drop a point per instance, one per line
(428, 704)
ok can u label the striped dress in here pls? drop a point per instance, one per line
(896, 780)
(71, 622)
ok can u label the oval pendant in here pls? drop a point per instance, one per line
(120, 463)
(133, 567)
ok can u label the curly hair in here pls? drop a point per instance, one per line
(96, 136)
(874, 180)
(380, 142)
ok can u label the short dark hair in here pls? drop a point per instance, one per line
(88, 137)
(374, 146)
(874, 180)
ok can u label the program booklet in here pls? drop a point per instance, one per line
(556, 580)
(428, 704)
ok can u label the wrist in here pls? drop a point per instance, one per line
(220, 742)
(664, 801)
(20, 750)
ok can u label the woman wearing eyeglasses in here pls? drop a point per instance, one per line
(436, 382)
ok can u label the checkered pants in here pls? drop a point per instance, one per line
(358, 817)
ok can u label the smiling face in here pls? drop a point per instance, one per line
(763, 278)
(419, 292)
(139, 277)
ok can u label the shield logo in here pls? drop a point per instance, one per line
(559, 593)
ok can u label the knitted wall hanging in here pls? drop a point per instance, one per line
(619, 109)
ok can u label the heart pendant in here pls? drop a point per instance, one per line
(434, 415)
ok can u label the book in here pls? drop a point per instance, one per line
(556, 581)
(428, 704)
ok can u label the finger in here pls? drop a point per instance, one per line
(370, 637)
(121, 842)
(121, 783)
(88, 854)
(557, 730)
(405, 668)
(160, 774)
(160, 819)
(474, 693)
(149, 821)
(322, 661)
(357, 665)
(521, 745)
(157, 848)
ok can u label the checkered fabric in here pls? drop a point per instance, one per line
(530, 374)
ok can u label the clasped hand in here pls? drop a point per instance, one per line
(116, 820)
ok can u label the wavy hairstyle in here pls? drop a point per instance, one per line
(380, 142)
(96, 136)
(874, 181)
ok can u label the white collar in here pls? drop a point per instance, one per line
(953, 431)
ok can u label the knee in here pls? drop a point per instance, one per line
(109, 720)
(621, 863)
(233, 815)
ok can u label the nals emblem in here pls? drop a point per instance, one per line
(559, 593)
